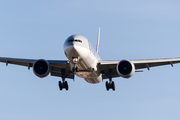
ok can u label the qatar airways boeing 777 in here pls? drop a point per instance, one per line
(85, 62)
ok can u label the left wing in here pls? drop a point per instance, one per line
(105, 66)
(56, 66)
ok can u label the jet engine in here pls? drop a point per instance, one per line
(125, 68)
(41, 68)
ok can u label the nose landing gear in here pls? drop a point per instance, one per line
(75, 68)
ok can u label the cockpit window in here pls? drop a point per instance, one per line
(70, 40)
(78, 41)
(75, 41)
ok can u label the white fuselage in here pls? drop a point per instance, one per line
(77, 46)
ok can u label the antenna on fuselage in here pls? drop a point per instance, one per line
(97, 49)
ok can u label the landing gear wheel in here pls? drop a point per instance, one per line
(110, 85)
(107, 86)
(66, 85)
(60, 85)
(63, 85)
(113, 85)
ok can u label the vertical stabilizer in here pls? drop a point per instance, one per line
(97, 49)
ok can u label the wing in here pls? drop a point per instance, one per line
(55, 65)
(105, 66)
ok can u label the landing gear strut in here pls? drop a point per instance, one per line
(75, 68)
(64, 83)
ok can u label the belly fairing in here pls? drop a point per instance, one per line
(94, 80)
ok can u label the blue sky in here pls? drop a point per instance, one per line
(129, 30)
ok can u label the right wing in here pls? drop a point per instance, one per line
(56, 66)
(105, 66)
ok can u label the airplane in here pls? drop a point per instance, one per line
(85, 62)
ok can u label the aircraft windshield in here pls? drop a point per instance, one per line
(75, 41)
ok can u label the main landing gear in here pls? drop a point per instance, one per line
(64, 83)
(110, 84)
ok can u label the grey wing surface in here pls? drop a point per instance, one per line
(56, 66)
(105, 66)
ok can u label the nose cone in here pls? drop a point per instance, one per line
(73, 44)
(73, 39)
(71, 51)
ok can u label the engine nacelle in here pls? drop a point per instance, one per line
(125, 68)
(41, 68)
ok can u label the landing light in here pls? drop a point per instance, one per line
(75, 60)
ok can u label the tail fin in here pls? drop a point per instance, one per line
(97, 49)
